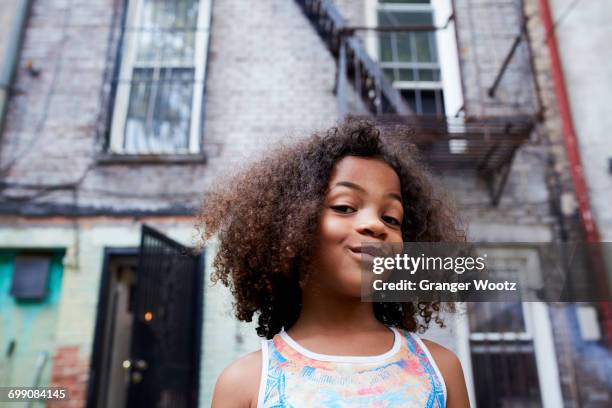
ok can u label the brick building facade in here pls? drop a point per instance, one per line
(267, 76)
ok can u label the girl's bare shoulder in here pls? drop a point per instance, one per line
(442, 356)
(238, 384)
(452, 372)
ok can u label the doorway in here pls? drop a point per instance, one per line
(108, 379)
(147, 341)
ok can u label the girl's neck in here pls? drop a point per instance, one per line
(334, 314)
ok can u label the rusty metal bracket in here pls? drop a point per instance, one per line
(502, 70)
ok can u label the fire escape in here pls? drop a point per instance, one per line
(486, 145)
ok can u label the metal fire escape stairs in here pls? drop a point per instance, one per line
(375, 90)
(489, 143)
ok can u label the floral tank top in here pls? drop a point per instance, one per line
(405, 376)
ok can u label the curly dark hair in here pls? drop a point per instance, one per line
(266, 218)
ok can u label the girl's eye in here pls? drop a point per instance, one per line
(345, 209)
(391, 220)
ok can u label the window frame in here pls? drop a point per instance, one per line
(127, 62)
(415, 84)
(531, 263)
(446, 43)
(538, 331)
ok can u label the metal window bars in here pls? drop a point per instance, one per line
(154, 78)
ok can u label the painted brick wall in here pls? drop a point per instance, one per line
(269, 77)
(486, 30)
(485, 33)
(249, 105)
(580, 363)
(582, 34)
(539, 194)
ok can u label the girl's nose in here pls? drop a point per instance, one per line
(372, 227)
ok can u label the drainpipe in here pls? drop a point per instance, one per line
(11, 56)
(573, 155)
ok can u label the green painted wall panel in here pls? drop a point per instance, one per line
(31, 325)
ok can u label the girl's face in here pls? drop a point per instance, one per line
(363, 205)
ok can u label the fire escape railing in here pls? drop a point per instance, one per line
(373, 87)
(484, 144)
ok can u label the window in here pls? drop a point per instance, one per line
(160, 88)
(502, 347)
(410, 59)
(510, 351)
(31, 277)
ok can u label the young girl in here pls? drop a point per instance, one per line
(290, 230)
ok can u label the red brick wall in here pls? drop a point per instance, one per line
(71, 372)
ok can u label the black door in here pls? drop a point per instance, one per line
(164, 357)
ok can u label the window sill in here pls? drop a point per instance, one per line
(163, 159)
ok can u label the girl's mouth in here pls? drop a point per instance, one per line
(364, 254)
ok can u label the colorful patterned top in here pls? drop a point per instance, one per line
(405, 376)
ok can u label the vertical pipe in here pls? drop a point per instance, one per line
(573, 155)
(9, 60)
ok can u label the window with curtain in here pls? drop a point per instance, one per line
(410, 58)
(160, 84)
